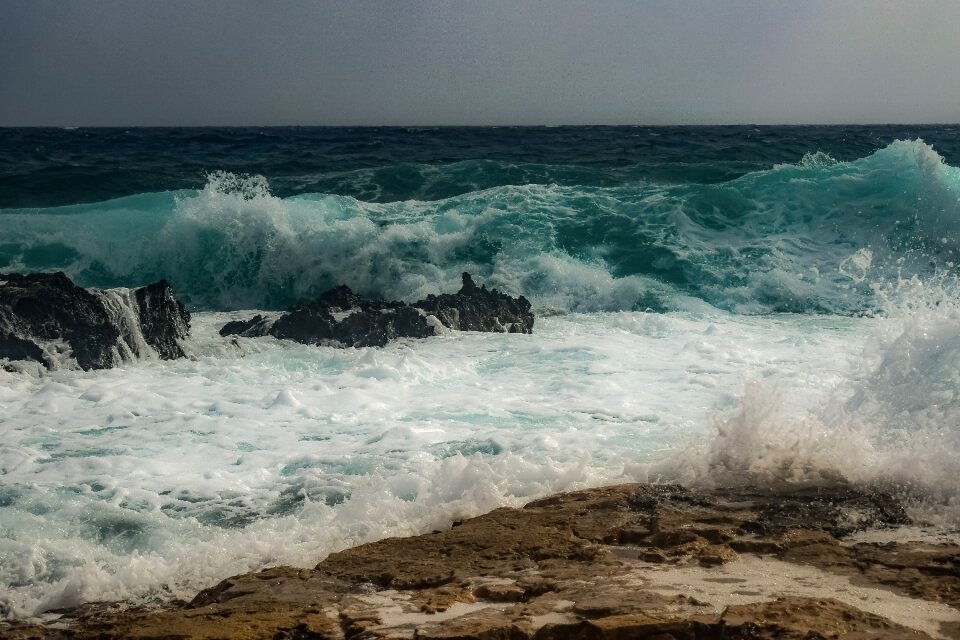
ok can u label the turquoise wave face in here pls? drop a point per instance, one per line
(817, 236)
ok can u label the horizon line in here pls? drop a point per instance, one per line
(473, 126)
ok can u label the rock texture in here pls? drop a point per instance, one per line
(44, 317)
(476, 308)
(617, 563)
(342, 318)
(163, 319)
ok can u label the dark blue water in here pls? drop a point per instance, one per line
(42, 167)
(748, 219)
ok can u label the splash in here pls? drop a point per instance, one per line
(808, 237)
(893, 421)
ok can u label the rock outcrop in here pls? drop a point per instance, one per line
(46, 318)
(616, 563)
(476, 308)
(163, 319)
(340, 317)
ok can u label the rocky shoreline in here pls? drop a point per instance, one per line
(613, 563)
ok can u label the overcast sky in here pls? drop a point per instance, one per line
(249, 62)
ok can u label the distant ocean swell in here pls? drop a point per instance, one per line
(815, 236)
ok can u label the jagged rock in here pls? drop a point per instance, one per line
(15, 348)
(46, 318)
(338, 317)
(476, 308)
(363, 323)
(258, 325)
(45, 308)
(343, 318)
(163, 319)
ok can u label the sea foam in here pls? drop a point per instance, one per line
(655, 358)
(161, 478)
(773, 240)
(892, 420)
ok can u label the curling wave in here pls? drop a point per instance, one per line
(807, 237)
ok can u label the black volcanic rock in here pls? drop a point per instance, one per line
(476, 308)
(163, 320)
(341, 317)
(255, 326)
(47, 307)
(16, 348)
(371, 327)
(344, 299)
(45, 317)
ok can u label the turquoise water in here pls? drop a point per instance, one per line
(817, 235)
(715, 306)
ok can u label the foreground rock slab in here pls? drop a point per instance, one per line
(340, 317)
(616, 563)
(46, 318)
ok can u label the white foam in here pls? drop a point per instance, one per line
(122, 307)
(893, 418)
(163, 455)
(161, 478)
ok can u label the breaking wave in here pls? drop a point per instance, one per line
(892, 421)
(815, 236)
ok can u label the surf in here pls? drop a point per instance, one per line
(783, 239)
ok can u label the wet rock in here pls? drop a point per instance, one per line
(340, 317)
(45, 317)
(476, 308)
(43, 309)
(357, 326)
(16, 348)
(258, 325)
(163, 319)
(571, 567)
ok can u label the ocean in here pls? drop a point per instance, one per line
(715, 305)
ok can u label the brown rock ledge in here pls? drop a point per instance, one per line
(615, 563)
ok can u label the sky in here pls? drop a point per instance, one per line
(481, 62)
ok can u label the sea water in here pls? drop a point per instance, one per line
(714, 306)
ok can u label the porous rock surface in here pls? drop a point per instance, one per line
(589, 565)
(46, 318)
(340, 317)
(476, 308)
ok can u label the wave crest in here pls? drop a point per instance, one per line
(794, 238)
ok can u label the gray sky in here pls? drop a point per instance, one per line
(245, 62)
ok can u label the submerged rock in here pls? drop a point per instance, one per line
(45, 317)
(341, 317)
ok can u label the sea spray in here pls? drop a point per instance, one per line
(782, 239)
(718, 305)
(164, 477)
(893, 421)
